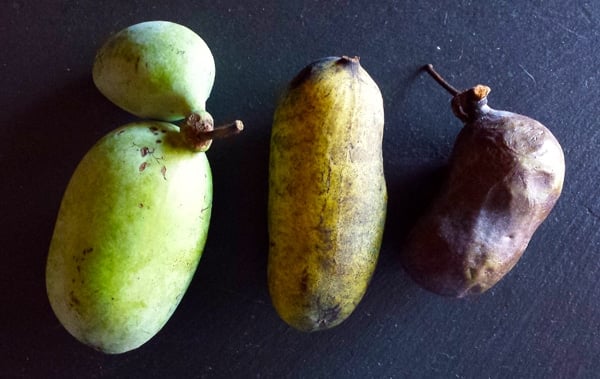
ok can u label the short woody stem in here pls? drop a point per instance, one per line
(198, 130)
(224, 131)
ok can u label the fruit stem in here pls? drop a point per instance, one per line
(198, 130)
(347, 58)
(441, 81)
(225, 131)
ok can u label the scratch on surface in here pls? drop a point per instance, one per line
(527, 73)
(565, 28)
(587, 14)
(460, 56)
(592, 212)
(571, 31)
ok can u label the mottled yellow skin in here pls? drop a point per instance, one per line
(327, 197)
(129, 235)
(156, 69)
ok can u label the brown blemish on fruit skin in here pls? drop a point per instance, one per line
(328, 316)
(73, 300)
(137, 63)
(301, 77)
(304, 281)
(143, 166)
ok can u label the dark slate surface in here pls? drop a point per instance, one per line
(539, 57)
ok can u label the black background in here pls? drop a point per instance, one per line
(539, 57)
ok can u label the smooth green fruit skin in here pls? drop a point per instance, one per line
(129, 235)
(155, 70)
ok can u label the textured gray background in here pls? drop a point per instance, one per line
(540, 58)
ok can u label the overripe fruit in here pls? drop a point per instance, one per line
(506, 174)
(129, 234)
(156, 69)
(327, 195)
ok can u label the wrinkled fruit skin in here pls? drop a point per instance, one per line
(327, 195)
(506, 173)
(155, 70)
(129, 235)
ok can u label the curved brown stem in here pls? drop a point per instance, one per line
(441, 81)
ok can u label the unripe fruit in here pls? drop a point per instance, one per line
(130, 232)
(134, 219)
(156, 69)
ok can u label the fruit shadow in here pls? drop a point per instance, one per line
(415, 165)
(234, 262)
(409, 198)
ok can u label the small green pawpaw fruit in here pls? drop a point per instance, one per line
(155, 70)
